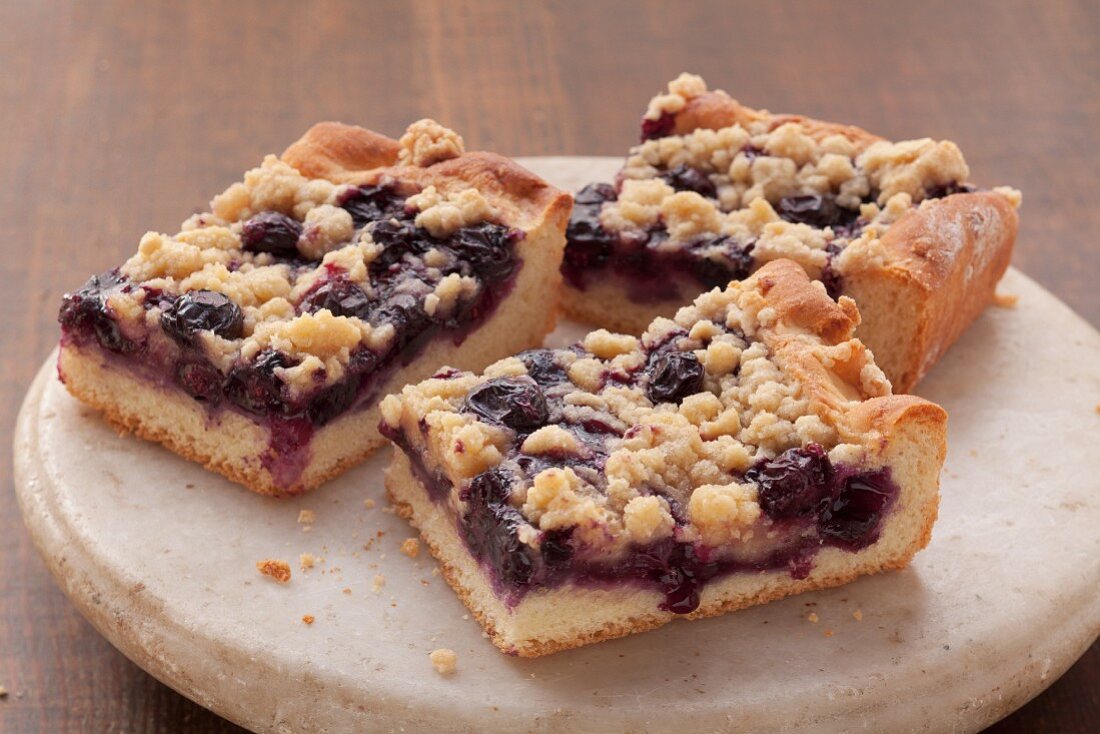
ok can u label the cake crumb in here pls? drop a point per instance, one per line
(378, 583)
(306, 517)
(307, 618)
(828, 633)
(1005, 300)
(858, 614)
(1098, 407)
(444, 661)
(276, 569)
(812, 617)
(411, 547)
(306, 560)
(368, 503)
(3, 692)
(347, 590)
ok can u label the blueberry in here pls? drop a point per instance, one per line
(938, 192)
(683, 178)
(255, 386)
(673, 376)
(659, 128)
(543, 367)
(405, 313)
(851, 519)
(517, 403)
(556, 547)
(732, 261)
(398, 238)
(109, 334)
(588, 245)
(492, 486)
(595, 194)
(834, 285)
(372, 203)
(201, 380)
(271, 232)
(487, 247)
(197, 311)
(497, 541)
(794, 483)
(751, 151)
(816, 210)
(340, 296)
(86, 312)
(490, 528)
(333, 400)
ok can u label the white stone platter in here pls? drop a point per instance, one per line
(160, 556)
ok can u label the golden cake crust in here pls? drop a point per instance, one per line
(946, 257)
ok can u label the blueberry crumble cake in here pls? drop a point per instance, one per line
(260, 338)
(743, 451)
(715, 190)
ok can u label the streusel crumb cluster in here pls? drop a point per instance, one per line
(208, 255)
(636, 431)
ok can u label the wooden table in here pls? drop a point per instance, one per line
(118, 117)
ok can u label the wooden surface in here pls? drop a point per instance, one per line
(120, 117)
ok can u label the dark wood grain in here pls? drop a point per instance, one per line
(117, 117)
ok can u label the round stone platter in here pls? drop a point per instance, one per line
(161, 555)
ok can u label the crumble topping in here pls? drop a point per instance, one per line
(680, 89)
(609, 450)
(427, 142)
(410, 547)
(443, 214)
(275, 569)
(444, 660)
(326, 227)
(648, 519)
(722, 512)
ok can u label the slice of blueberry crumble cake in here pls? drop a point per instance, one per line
(746, 450)
(260, 338)
(716, 189)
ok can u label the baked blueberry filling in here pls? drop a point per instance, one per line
(483, 254)
(711, 260)
(821, 505)
(817, 211)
